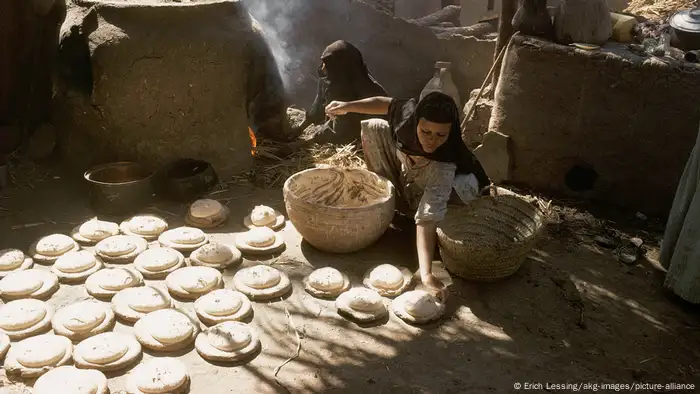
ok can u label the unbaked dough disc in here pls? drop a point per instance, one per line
(261, 282)
(260, 237)
(109, 351)
(107, 282)
(264, 216)
(361, 304)
(228, 341)
(205, 208)
(157, 263)
(74, 262)
(135, 302)
(158, 375)
(388, 280)
(70, 380)
(4, 344)
(166, 330)
(145, 226)
(121, 249)
(326, 282)
(183, 239)
(54, 245)
(94, 230)
(11, 259)
(216, 255)
(223, 305)
(19, 319)
(37, 355)
(83, 320)
(193, 282)
(23, 284)
(417, 306)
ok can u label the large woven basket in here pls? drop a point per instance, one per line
(489, 238)
(339, 210)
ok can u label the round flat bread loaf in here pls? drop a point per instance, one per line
(262, 282)
(75, 267)
(37, 355)
(32, 283)
(193, 282)
(83, 320)
(148, 227)
(228, 341)
(107, 282)
(121, 249)
(388, 280)
(216, 255)
(135, 302)
(109, 351)
(223, 305)
(264, 216)
(417, 306)
(12, 260)
(94, 230)
(205, 208)
(24, 318)
(326, 282)
(70, 380)
(158, 376)
(260, 237)
(361, 304)
(47, 249)
(166, 330)
(4, 345)
(157, 263)
(183, 239)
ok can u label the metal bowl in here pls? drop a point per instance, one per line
(119, 188)
(187, 179)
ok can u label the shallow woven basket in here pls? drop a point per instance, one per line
(489, 238)
(332, 228)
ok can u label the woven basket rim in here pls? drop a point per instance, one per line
(287, 191)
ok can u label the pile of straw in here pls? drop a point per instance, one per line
(658, 10)
(272, 168)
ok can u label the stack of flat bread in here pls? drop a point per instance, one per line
(47, 249)
(25, 318)
(135, 302)
(193, 282)
(262, 282)
(216, 255)
(206, 213)
(104, 284)
(228, 342)
(166, 330)
(33, 357)
(121, 249)
(388, 280)
(71, 380)
(94, 230)
(326, 282)
(148, 227)
(83, 320)
(362, 305)
(417, 306)
(264, 216)
(32, 283)
(260, 241)
(183, 239)
(223, 305)
(75, 267)
(162, 375)
(12, 260)
(110, 351)
(157, 263)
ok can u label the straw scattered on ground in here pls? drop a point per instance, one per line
(658, 10)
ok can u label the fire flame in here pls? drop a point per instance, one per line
(253, 142)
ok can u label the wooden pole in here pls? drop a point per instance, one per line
(505, 31)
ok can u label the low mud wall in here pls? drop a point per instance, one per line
(608, 125)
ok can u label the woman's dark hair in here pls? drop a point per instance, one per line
(439, 108)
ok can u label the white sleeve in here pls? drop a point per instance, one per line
(439, 180)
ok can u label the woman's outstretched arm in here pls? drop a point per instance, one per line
(370, 106)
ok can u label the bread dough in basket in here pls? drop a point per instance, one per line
(33, 357)
(157, 263)
(93, 231)
(47, 249)
(388, 280)
(216, 255)
(106, 283)
(262, 282)
(12, 260)
(183, 239)
(162, 375)
(32, 283)
(193, 282)
(361, 304)
(133, 303)
(83, 319)
(223, 305)
(228, 342)
(25, 318)
(166, 330)
(148, 227)
(109, 351)
(417, 306)
(75, 267)
(121, 249)
(326, 282)
(71, 380)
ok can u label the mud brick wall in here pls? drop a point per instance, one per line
(629, 119)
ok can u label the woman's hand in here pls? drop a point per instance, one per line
(435, 286)
(336, 108)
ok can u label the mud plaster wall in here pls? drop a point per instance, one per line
(399, 54)
(168, 81)
(633, 120)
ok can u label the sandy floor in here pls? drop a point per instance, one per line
(571, 314)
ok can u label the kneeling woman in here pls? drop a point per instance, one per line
(421, 152)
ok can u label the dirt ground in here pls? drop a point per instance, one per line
(572, 314)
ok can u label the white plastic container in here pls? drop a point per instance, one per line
(442, 82)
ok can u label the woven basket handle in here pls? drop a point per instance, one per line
(490, 190)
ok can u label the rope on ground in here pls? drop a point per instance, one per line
(296, 353)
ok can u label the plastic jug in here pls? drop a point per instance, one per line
(442, 82)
